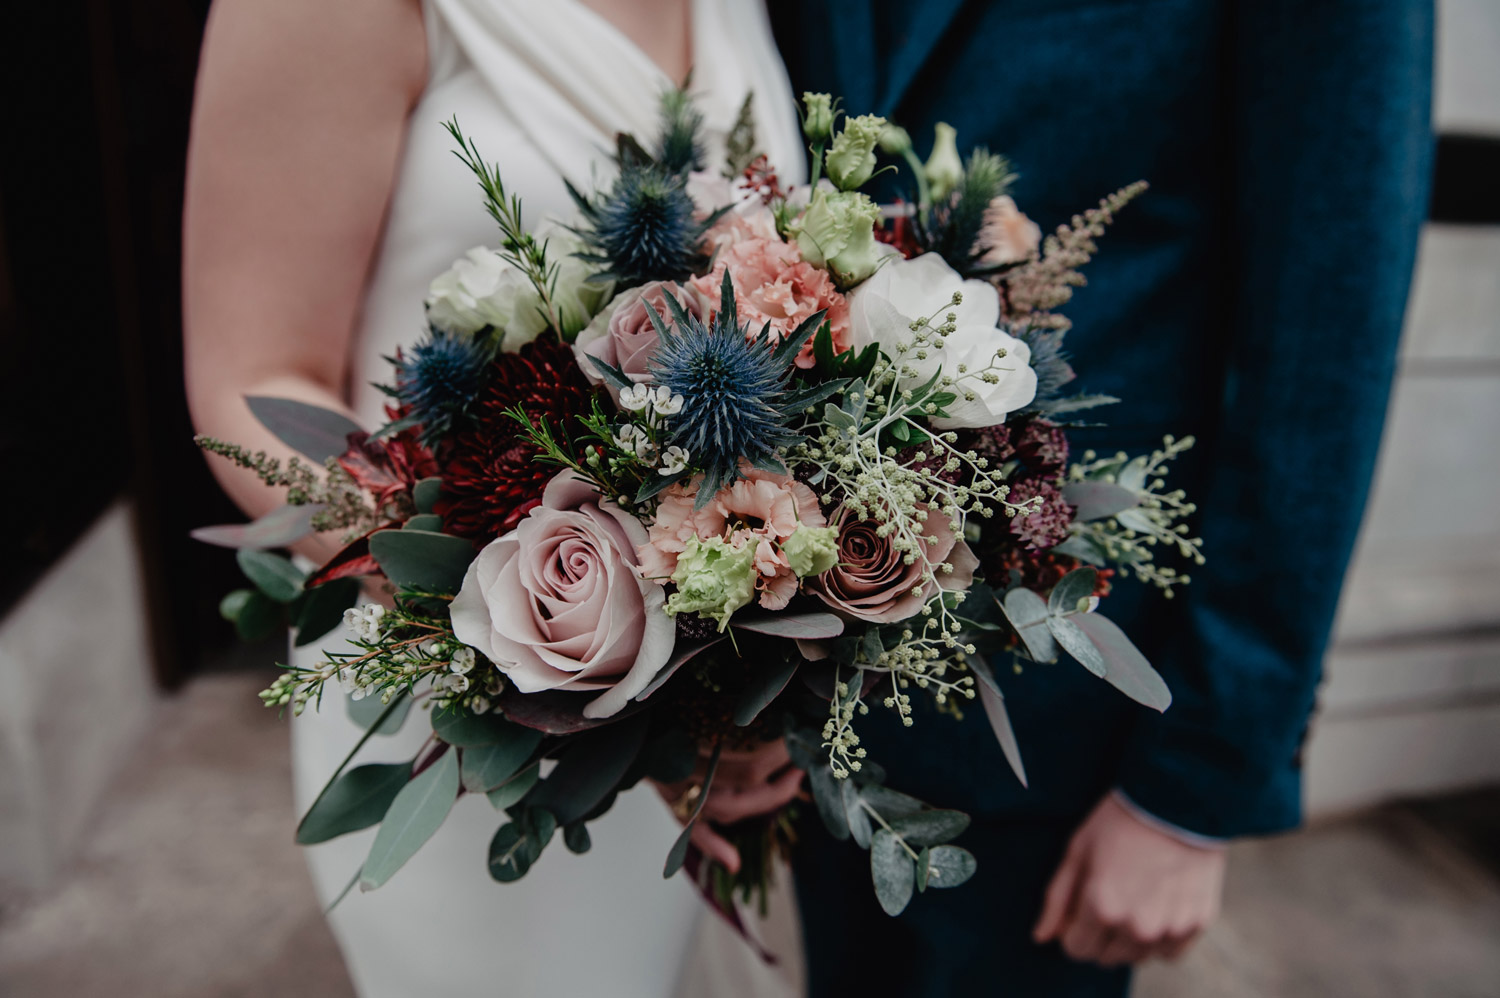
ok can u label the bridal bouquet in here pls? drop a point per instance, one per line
(719, 463)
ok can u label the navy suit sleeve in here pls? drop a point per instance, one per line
(1331, 110)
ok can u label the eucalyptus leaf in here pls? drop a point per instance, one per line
(677, 855)
(1077, 643)
(829, 799)
(422, 559)
(514, 789)
(259, 617)
(924, 869)
(509, 859)
(277, 529)
(950, 866)
(807, 626)
(930, 828)
(855, 813)
(681, 655)
(310, 430)
(233, 604)
(576, 838)
(590, 769)
(323, 609)
(370, 710)
(993, 702)
(890, 803)
(460, 726)
(272, 574)
(1027, 613)
(1124, 666)
(1073, 589)
(1083, 549)
(425, 494)
(356, 800)
(766, 684)
(415, 814)
(1097, 500)
(893, 872)
(485, 767)
(430, 522)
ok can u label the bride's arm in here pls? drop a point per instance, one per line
(298, 122)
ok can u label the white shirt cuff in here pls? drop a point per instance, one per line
(1166, 827)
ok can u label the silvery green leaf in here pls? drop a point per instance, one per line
(949, 866)
(512, 790)
(430, 522)
(591, 768)
(1027, 613)
(272, 574)
(859, 818)
(1133, 475)
(310, 430)
(1136, 519)
(1124, 666)
(830, 800)
(858, 400)
(416, 813)
(1077, 643)
(929, 828)
(1074, 588)
(893, 872)
(890, 803)
(357, 799)
(422, 559)
(993, 702)
(1083, 549)
(486, 767)
(837, 418)
(1097, 500)
(276, 529)
(765, 685)
(425, 494)
(576, 838)
(924, 868)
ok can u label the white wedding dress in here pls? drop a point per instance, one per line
(542, 87)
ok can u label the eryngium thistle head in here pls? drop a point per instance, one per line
(643, 229)
(735, 402)
(957, 219)
(437, 379)
(1050, 361)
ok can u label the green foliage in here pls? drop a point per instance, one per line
(515, 789)
(425, 494)
(740, 147)
(486, 767)
(378, 718)
(590, 769)
(417, 812)
(358, 799)
(310, 430)
(255, 616)
(272, 574)
(679, 148)
(320, 609)
(422, 559)
(677, 855)
(892, 870)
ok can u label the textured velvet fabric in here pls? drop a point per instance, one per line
(1252, 298)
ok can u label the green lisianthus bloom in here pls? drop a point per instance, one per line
(817, 123)
(944, 168)
(713, 579)
(894, 140)
(851, 161)
(812, 550)
(837, 233)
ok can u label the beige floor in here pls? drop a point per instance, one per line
(190, 887)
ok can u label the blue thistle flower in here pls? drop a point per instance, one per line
(737, 402)
(439, 377)
(643, 229)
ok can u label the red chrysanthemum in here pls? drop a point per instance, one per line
(491, 476)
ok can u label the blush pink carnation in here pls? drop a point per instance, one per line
(761, 509)
(557, 603)
(773, 284)
(873, 583)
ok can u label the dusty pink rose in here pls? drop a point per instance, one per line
(762, 509)
(1006, 235)
(773, 284)
(557, 603)
(623, 334)
(747, 217)
(871, 582)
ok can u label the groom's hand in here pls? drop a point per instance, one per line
(1126, 891)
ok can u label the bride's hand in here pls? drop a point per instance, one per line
(746, 784)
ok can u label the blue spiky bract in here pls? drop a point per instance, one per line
(734, 387)
(643, 229)
(437, 379)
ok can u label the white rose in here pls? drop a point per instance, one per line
(882, 309)
(483, 289)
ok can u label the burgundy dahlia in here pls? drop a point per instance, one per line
(491, 475)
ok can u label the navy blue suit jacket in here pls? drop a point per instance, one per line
(1253, 297)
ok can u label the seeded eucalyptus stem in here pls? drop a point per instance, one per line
(887, 826)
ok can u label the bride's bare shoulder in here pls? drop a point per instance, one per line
(281, 46)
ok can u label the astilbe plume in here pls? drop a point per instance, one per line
(1030, 292)
(491, 477)
(437, 380)
(643, 228)
(734, 386)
